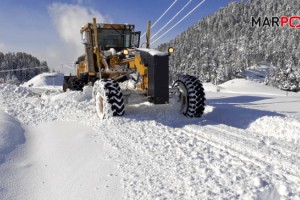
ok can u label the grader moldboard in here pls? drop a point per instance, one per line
(112, 55)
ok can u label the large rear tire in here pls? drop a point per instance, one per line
(109, 98)
(191, 95)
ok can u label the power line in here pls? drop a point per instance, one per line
(161, 16)
(12, 70)
(164, 14)
(172, 18)
(179, 21)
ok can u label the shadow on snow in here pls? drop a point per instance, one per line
(227, 111)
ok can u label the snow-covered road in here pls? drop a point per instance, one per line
(244, 147)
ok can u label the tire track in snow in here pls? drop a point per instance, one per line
(288, 149)
(144, 166)
(149, 158)
(256, 152)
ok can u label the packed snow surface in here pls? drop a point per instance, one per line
(246, 146)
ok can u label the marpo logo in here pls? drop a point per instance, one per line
(292, 21)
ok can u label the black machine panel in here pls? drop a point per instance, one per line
(158, 75)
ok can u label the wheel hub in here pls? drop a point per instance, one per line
(101, 104)
(183, 97)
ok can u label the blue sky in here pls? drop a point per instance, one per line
(49, 29)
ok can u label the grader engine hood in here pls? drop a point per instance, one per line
(158, 74)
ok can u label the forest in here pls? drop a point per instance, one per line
(16, 68)
(222, 46)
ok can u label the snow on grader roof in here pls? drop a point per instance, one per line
(153, 52)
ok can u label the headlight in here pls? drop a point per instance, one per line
(125, 52)
(171, 50)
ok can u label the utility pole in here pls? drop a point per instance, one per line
(148, 35)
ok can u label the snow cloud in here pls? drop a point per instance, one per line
(67, 20)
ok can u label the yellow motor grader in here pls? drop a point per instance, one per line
(112, 55)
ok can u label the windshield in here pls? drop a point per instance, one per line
(114, 38)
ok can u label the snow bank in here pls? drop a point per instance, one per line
(243, 86)
(45, 79)
(11, 134)
(278, 127)
(209, 87)
(60, 160)
(75, 96)
(258, 72)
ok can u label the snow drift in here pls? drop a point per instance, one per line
(45, 79)
(278, 127)
(11, 134)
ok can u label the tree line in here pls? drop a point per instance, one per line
(19, 67)
(221, 46)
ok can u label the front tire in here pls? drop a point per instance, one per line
(191, 95)
(109, 98)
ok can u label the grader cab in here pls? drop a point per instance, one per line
(112, 55)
